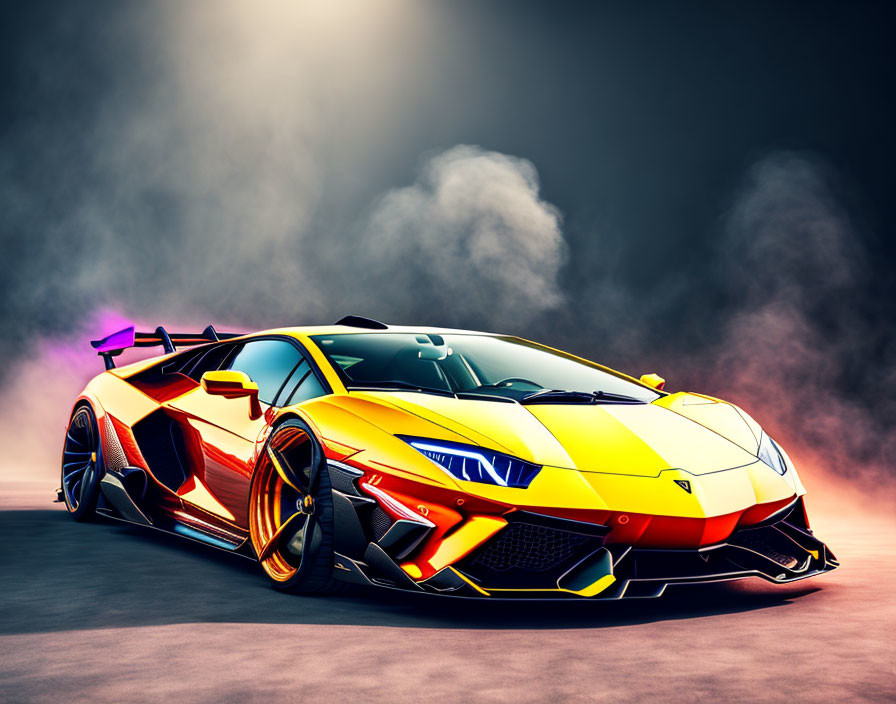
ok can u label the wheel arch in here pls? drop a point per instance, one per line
(88, 399)
(279, 420)
(293, 413)
(91, 401)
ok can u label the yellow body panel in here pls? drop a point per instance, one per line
(600, 457)
(461, 542)
(126, 403)
(627, 464)
(641, 440)
(230, 413)
(713, 494)
(679, 473)
(594, 457)
(723, 418)
(507, 427)
(593, 589)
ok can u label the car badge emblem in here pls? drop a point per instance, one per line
(684, 484)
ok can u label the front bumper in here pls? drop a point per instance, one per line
(550, 561)
(537, 556)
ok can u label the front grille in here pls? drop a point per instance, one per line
(528, 547)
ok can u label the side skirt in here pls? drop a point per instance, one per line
(122, 492)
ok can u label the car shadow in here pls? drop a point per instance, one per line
(59, 575)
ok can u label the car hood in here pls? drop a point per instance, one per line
(679, 431)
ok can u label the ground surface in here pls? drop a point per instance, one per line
(106, 612)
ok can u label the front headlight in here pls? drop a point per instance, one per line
(771, 454)
(476, 464)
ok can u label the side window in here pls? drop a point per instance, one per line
(268, 363)
(181, 362)
(301, 386)
(207, 360)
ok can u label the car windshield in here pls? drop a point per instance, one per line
(470, 365)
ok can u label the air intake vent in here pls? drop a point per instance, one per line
(341, 480)
(380, 522)
(113, 452)
(528, 547)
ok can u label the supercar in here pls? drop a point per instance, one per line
(440, 461)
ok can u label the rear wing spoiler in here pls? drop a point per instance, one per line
(116, 343)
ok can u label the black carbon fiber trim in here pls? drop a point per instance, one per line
(340, 480)
(380, 522)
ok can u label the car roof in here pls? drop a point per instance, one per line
(309, 330)
(300, 332)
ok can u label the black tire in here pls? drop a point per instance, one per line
(314, 574)
(82, 464)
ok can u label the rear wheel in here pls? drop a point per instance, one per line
(291, 511)
(82, 463)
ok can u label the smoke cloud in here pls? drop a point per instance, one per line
(184, 160)
(470, 241)
(38, 394)
(797, 347)
(254, 166)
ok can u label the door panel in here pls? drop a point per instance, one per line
(230, 414)
(227, 438)
(227, 434)
(228, 470)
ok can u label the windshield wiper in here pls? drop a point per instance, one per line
(558, 396)
(474, 396)
(609, 397)
(396, 385)
(563, 396)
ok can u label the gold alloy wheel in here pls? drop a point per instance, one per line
(283, 520)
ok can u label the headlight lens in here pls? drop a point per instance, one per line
(771, 454)
(476, 464)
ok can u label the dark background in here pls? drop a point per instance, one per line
(699, 189)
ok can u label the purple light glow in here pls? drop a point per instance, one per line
(116, 341)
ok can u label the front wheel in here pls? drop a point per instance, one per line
(82, 463)
(291, 511)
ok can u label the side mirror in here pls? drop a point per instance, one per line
(653, 380)
(231, 384)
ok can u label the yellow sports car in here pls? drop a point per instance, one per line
(442, 461)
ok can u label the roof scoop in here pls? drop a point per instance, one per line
(357, 321)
